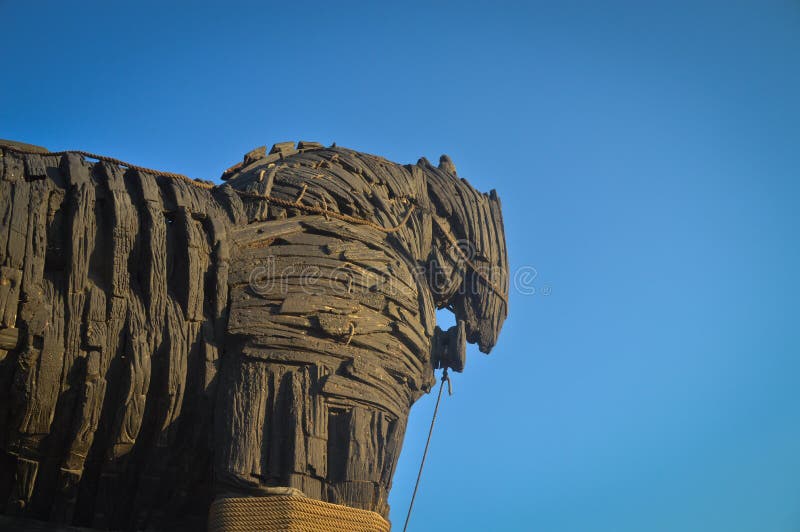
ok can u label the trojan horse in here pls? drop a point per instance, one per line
(169, 345)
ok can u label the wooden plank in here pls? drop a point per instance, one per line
(25, 476)
(6, 210)
(240, 428)
(14, 166)
(124, 229)
(10, 281)
(18, 225)
(282, 147)
(153, 253)
(36, 241)
(9, 338)
(35, 166)
(137, 353)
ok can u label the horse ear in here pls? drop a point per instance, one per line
(446, 164)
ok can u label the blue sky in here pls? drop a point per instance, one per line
(646, 154)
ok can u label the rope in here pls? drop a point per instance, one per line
(363, 221)
(281, 513)
(352, 333)
(469, 263)
(300, 196)
(112, 160)
(445, 378)
(326, 212)
(278, 201)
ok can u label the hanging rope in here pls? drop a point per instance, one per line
(445, 378)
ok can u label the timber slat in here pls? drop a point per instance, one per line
(161, 342)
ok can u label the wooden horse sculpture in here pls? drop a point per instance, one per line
(166, 342)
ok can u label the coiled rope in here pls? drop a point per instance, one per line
(279, 513)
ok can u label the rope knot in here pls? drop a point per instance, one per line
(446, 378)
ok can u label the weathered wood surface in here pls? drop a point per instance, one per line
(162, 343)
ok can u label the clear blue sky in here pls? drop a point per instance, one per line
(647, 155)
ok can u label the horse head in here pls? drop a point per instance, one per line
(468, 263)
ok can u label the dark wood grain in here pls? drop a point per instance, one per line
(163, 343)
